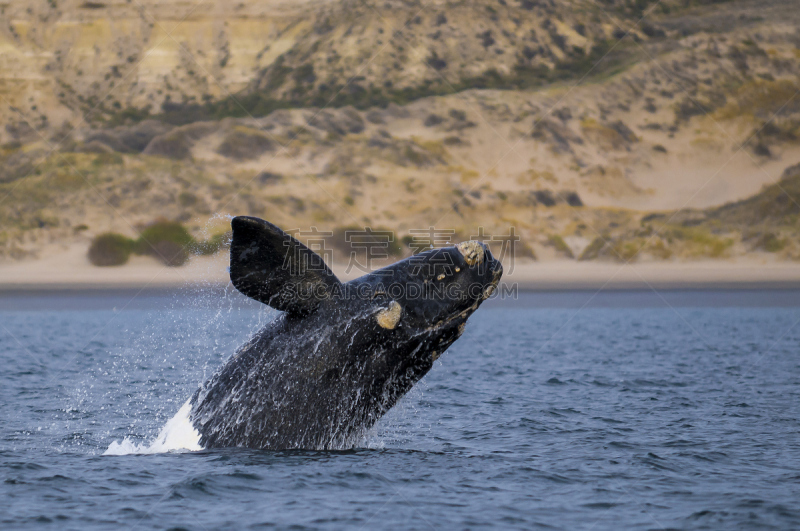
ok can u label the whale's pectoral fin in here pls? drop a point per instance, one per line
(272, 267)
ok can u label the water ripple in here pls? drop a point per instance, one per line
(607, 418)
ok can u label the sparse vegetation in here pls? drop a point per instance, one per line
(592, 251)
(616, 135)
(339, 166)
(170, 253)
(104, 159)
(298, 93)
(171, 145)
(162, 231)
(770, 242)
(699, 242)
(110, 249)
(168, 241)
(560, 245)
(244, 144)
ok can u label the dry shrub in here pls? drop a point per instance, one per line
(110, 249)
(172, 145)
(171, 253)
(560, 245)
(245, 144)
(168, 241)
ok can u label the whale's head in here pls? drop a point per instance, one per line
(384, 329)
(398, 320)
(419, 306)
(434, 289)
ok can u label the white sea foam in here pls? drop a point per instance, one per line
(177, 435)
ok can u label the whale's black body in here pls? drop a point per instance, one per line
(341, 354)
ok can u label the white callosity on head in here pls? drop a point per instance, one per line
(389, 317)
(472, 251)
(488, 291)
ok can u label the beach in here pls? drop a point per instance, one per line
(71, 270)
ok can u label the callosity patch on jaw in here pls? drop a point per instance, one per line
(472, 251)
(389, 317)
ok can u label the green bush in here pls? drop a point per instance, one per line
(174, 145)
(169, 241)
(771, 243)
(700, 242)
(110, 249)
(171, 253)
(107, 159)
(245, 144)
(163, 230)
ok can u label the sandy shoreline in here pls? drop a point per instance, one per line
(70, 270)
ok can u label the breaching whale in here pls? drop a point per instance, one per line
(341, 354)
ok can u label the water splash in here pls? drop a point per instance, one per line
(163, 354)
(177, 435)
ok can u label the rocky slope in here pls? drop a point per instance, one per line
(84, 62)
(588, 117)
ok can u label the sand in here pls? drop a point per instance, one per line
(71, 270)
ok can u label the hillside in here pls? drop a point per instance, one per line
(585, 123)
(87, 62)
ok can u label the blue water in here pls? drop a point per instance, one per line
(565, 411)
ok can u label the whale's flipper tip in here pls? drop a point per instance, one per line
(272, 267)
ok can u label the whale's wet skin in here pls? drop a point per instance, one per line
(341, 354)
(617, 415)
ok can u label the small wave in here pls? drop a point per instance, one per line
(177, 435)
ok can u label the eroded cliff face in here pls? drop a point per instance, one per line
(82, 62)
(71, 60)
(581, 119)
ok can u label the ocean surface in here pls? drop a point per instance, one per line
(579, 410)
